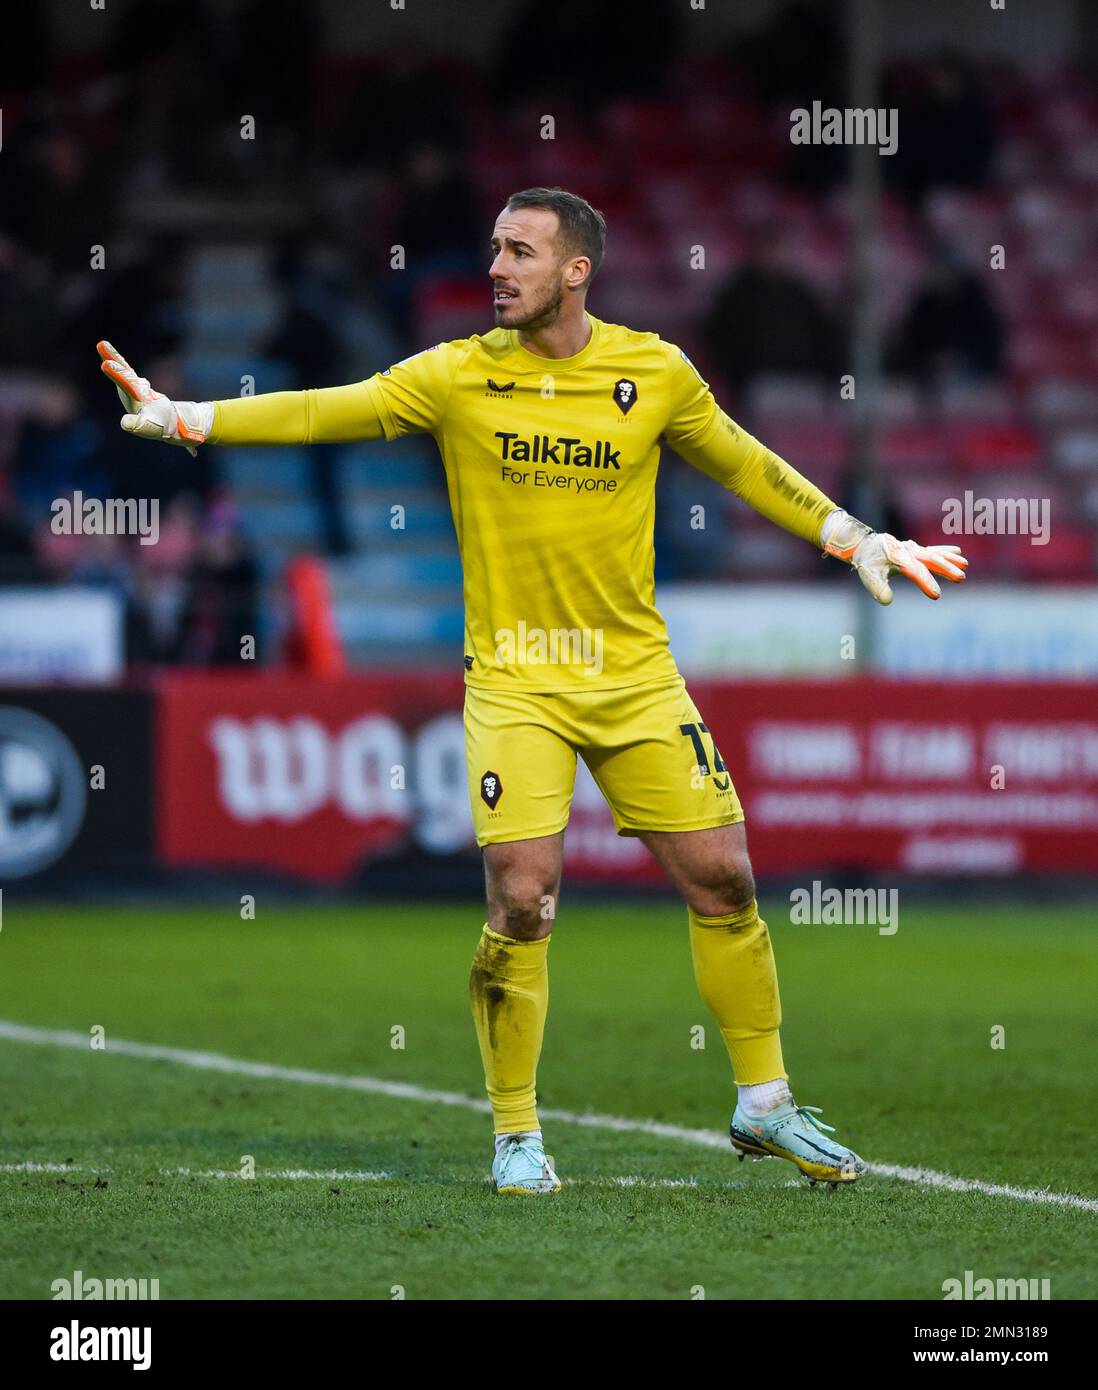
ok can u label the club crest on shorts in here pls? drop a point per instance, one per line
(625, 394)
(491, 788)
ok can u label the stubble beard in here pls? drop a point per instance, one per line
(543, 316)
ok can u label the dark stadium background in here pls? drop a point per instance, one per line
(270, 261)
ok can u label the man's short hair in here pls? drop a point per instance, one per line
(582, 227)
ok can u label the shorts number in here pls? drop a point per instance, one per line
(694, 733)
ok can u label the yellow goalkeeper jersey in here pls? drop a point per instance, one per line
(551, 468)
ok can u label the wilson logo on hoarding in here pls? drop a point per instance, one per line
(269, 769)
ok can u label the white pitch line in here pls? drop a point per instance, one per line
(31, 1167)
(294, 1174)
(927, 1177)
(402, 1090)
(362, 1175)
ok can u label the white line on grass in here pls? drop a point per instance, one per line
(402, 1090)
(359, 1175)
(32, 1167)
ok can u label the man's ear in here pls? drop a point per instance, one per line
(579, 272)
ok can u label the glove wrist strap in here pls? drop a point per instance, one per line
(842, 534)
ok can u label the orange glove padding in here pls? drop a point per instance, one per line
(874, 555)
(155, 417)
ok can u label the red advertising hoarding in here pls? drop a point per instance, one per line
(319, 778)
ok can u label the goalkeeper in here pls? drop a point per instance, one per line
(549, 428)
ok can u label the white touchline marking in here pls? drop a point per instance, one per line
(31, 1167)
(927, 1177)
(403, 1090)
(364, 1175)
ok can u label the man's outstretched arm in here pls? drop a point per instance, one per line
(332, 415)
(774, 488)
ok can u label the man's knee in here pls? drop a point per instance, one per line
(729, 889)
(522, 908)
(522, 896)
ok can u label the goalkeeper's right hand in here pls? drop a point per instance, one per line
(149, 413)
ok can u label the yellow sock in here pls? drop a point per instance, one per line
(737, 979)
(509, 990)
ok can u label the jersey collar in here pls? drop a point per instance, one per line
(559, 364)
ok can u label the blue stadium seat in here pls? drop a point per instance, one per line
(426, 517)
(267, 469)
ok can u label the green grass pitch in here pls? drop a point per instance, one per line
(890, 1035)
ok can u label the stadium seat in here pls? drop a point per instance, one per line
(988, 402)
(1076, 451)
(399, 463)
(1064, 401)
(426, 517)
(811, 447)
(915, 448)
(771, 397)
(258, 470)
(1071, 555)
(996, 447)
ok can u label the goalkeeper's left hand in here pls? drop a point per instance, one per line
(149, 413)
(875, 555)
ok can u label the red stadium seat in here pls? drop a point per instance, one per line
(813, 446)
(915, 447)
(1069, 555)
(998, 447)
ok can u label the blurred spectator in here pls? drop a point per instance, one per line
(947, 128)
(57, 451)
(421, 102)
(611, 52)
(53, 195)
(221, 606)
(137, 305)
(951, 330)
(303, 337)
(792, 60)
(27, 53)
(162, 578)
(798, 56)
(307, 341)
(766, 318)
(168, 96)
(31, 316)
(439, 225)
(18, 564)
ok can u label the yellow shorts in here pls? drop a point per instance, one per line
(646, 746)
